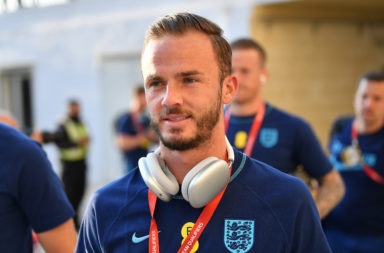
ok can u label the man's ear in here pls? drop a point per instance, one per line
(229, 89)
(264, 76)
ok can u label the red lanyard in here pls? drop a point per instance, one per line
(197, 229)
(371, 173)
(253, 133)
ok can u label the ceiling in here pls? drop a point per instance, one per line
(346, 10)
(350, 3)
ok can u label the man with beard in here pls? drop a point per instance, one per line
(195, 193)
(357, 151)
(272, 135)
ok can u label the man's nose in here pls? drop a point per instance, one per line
(172, 95)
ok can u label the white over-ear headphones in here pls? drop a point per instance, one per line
(201, 184)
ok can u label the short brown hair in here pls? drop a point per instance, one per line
(180, 23)
(139, 89)
(246, 43)
(373, 76)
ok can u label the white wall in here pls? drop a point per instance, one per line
(67, 46)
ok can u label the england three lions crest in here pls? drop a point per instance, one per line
(269, 137)
(238, 235)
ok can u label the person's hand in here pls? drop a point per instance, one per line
(37, 136)
(84, 141)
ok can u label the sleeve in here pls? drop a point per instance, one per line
(89, 237)
(61, 138)
(310, 153)
(338, 125)
(308, 235)
(118, 122)
(40, 193)
(126, 126)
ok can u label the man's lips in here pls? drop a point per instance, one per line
(367, 112)
(175, 117)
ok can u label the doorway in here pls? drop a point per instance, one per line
(16, 95)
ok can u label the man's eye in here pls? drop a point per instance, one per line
(190, 80)
(155, 84)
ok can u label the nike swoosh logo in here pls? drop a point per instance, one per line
(139, 239)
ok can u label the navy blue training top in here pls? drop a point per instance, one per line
(262, 210)
(362, 208)
(31, 195)
(284, 142)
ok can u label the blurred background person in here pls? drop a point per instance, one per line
(357, 151)
(271, 135)
(31, 196)
(134, 135)
(72, 139)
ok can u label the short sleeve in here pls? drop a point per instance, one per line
(310, 153)
(40, 192)
(125, 126)
(308, 235)
(89, 237)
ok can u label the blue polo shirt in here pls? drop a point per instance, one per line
(31, 195)
(262, 210)
(126, 125)
(284, 141)
(362, 208)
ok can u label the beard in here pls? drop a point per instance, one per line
(205, 123)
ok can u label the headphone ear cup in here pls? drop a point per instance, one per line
(149, 164)
(192, 173)
(163, 175)
(205, 181)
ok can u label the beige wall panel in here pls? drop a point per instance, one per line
(315, 64)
